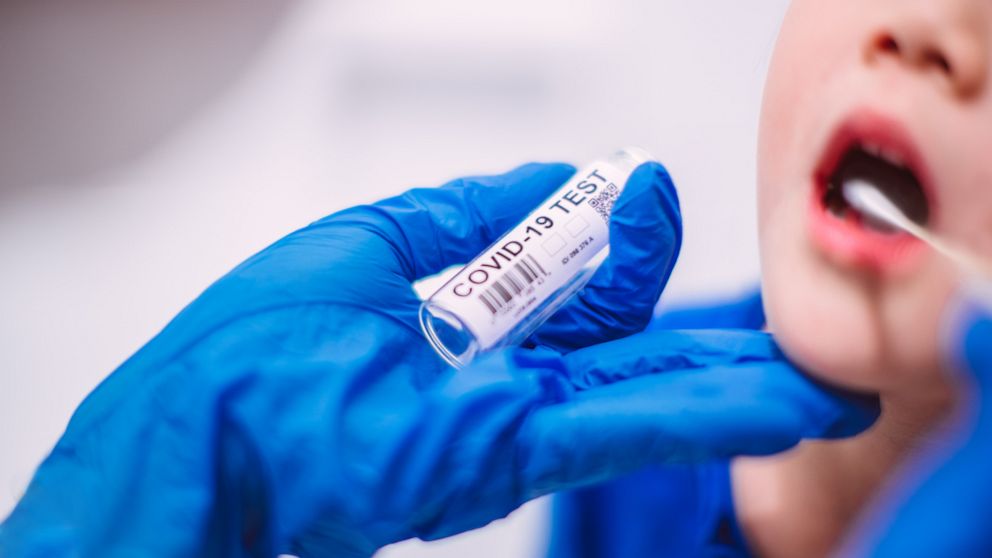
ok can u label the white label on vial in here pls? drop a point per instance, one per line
(502, 286)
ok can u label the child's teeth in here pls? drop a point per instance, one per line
(876, 150)
(893, 157)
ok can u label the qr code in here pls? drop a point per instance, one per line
(603, 202)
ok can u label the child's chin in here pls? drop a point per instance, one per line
(856, 369)
(853, 355)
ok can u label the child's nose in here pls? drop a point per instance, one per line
(947, 37)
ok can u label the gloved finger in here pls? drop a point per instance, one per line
(741, 312)
(969, 342)
(645, 239)
(667, 351)
(686, 416)
(431, 229)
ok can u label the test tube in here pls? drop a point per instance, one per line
(515, 285)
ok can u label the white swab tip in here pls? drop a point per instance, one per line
(868, 199)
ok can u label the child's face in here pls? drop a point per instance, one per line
(866, 89)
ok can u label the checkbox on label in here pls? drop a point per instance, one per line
(576, 226)
(554, 245)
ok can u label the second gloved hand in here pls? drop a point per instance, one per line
(295, 406)
(946, 513)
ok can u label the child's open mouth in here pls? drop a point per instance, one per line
(876, 150)
(887, 173)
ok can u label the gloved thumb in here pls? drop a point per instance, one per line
(619, 300)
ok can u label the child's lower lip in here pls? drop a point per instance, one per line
(849, 242)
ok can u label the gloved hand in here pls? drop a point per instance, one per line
(295, 406)
(692, 501)
(947, 514)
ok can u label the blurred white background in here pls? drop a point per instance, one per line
(147, 147)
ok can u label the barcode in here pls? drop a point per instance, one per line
(514, 283)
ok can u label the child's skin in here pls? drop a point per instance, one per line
(854, 309)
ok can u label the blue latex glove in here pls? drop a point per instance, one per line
(295, 407)
(743, 311)
(948, 514)
(693, 501)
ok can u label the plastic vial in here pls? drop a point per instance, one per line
(509, 290)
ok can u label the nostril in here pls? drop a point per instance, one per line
(913, 52)
(938, 60)
(888, 43)
(950, 51)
